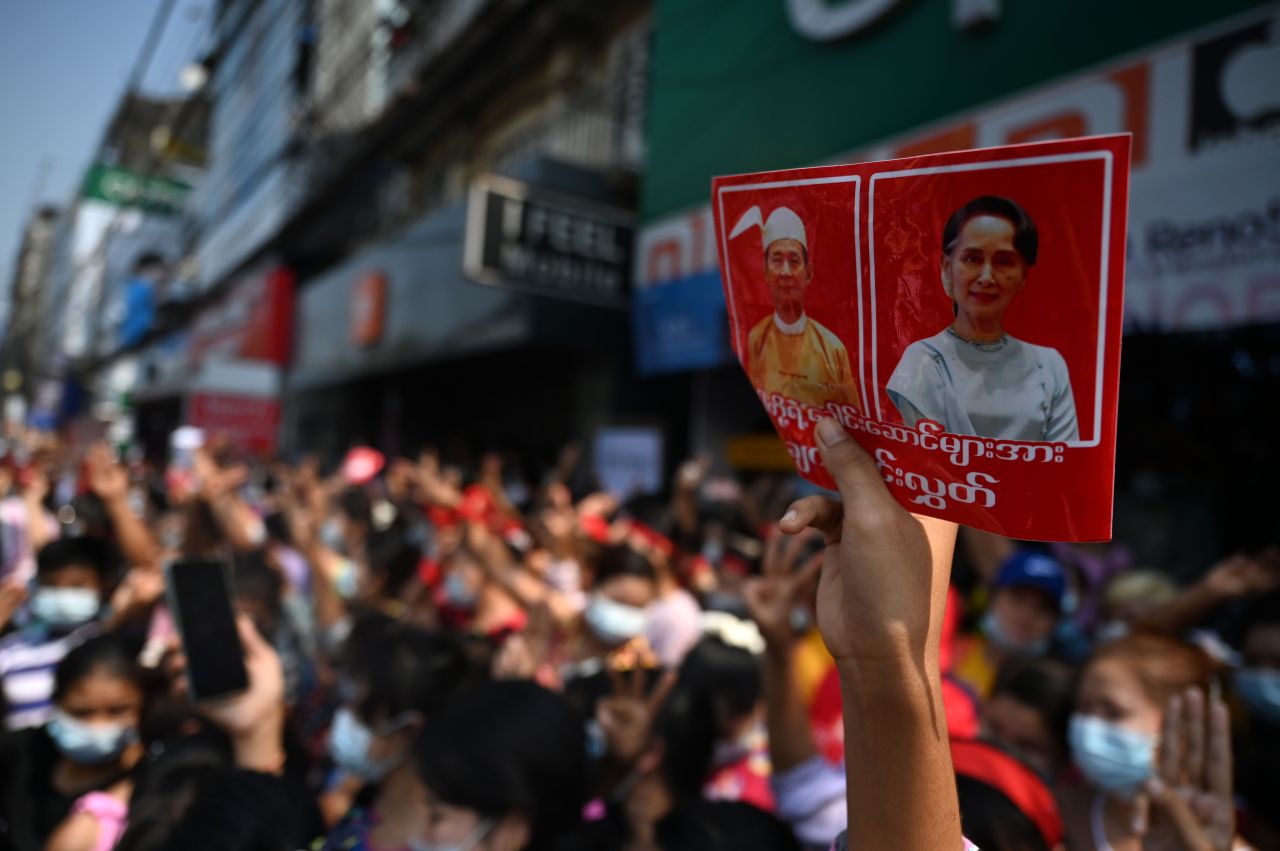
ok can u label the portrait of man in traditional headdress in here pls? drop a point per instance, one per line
(788, 352)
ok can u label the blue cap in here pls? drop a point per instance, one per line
(1027, 569)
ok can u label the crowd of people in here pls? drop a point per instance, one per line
(456, 653)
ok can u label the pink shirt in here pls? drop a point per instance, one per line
(108, 812)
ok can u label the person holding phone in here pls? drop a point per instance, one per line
(238, 794)
(77, 766)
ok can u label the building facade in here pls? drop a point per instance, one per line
(26, 298)
(450, 190)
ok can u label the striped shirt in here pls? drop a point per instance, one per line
(28, 659)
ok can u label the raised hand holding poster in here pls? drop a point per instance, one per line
(959, 314)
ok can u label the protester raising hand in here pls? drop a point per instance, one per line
(1191, 805)
(109, 481)
(526, 655)
(33, 487)
(880, 604)
(773, 598)
(1244, 576)
(135, 596)
(1237, 577)
(626, 716)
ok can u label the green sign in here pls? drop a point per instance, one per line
(124, 188)
(750, 85)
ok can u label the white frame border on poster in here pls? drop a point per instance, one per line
(1108, 162)
(856, 180)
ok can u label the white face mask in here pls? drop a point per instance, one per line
(61, 608)
(350, 741)
(89, 744)
(1112, 757)
(614, 622)
(471, 841)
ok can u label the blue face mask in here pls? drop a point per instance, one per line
(471, 841)
(350, 741)
(64, 608)
(89, 744)
(1112, 758)
(459, 594)
(996, 633)
(1259, 688)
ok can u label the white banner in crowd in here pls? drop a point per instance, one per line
(1204, 220)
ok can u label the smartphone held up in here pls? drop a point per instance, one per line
(200, 598)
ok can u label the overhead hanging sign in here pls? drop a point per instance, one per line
(555, 245)
(123, 188)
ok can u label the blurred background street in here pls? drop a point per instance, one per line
(406, 314)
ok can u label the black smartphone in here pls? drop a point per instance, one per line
(199, 593)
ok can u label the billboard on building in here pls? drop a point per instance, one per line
(1202, 107)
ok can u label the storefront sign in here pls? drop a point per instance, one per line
(755, 452)
(368, 308)
(249, 422)
(823, 20)
(253, 321)
(680, 325)
(123, 188)
(628, 460)
(521, 237)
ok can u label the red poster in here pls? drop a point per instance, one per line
(959, 313)
(253, 321)
(250, 422)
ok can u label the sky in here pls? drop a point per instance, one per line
(63, 69)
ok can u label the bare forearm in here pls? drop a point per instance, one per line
(262, 747)
(1184, 611)
(897, 757)
(897, 754)
(139, 546)
(790, 737)
(327, 603)
(37, 527)
(235, 518)
(684, 506)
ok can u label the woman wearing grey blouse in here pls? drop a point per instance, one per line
(974, 378)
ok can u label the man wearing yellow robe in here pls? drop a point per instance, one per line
(789, 353)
